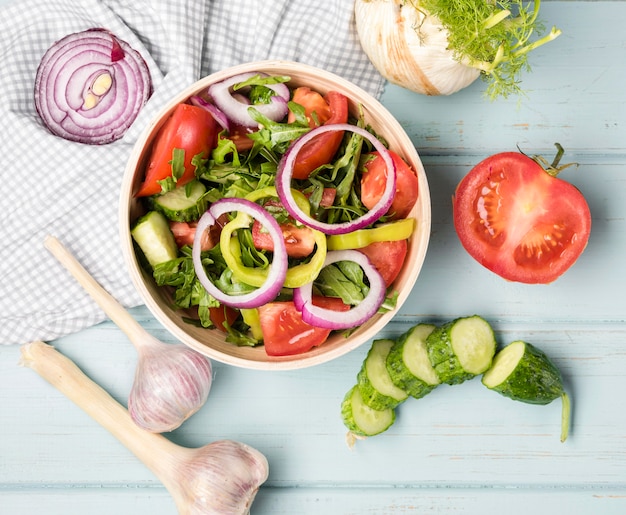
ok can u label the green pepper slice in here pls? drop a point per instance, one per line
(298, 275)
(393, 231)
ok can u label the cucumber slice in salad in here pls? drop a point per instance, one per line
(155, 238)
(523, 372)
(461, 349)
(408, 364)
(362, 420)
(184, 204)
(375, 384)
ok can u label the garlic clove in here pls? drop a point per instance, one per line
(410, 47)
(172, 382)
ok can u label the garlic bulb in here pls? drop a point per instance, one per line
(220, 478)
(229, 473)
(172, 382)
(410, 48)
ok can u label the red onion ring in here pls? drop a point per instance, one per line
(237, 111)
(73, 95)
(278, 268)
(327, 318)
(285, 171)
(217, 115)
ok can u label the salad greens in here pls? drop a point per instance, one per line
(228, 174)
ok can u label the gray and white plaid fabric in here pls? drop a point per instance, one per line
(52, 186)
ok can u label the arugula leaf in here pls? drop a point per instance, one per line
(333, 282)
(180, 274)
(241, 338)
(225, 147)
(260, 80)
(230, 285)
(250, 255)
(276, 136)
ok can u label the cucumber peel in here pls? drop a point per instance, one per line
(360, 419)
(524, 373)
(427, 355)
(183, 204)
(408, 364)
(374, 382)
(154, 237)
(461, 349)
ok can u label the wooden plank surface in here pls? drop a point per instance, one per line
(459, 450)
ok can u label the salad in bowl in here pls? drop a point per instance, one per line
(274, 216)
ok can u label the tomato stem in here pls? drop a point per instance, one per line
(558, 156)
(553, 168)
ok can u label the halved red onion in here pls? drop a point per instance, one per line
(327, 318)
(237, 110)
(285, 171)
(217, 115)
(278, 268)
(90, 86)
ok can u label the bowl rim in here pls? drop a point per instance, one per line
(366, 332)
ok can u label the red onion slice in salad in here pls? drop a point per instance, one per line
(237, 110)
(219, 117)
(90, 87)
(358, 315)
(285, 171)
(278, 269)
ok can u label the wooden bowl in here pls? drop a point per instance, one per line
(212, 342)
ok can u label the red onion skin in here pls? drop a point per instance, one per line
(237, 111)
(65, 75)
(285, 172)
(328, 319)
(219, 117)
(278, 270)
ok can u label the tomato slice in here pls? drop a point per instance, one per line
(284, 331)
(185, 232)
(388, 257)
(239, 136)
(519, 221)
(299, 241)
(316, 108)
(189, 128)
(328, 197)
(223, 314)
(321, 149)
(373, 185)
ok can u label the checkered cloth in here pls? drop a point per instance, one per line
(52, 186)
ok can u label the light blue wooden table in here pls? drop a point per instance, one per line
(459, 450)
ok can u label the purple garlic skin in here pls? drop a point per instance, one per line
(227, 476)
(172, 382)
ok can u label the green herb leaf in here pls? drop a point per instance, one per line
(259, 80)
(492, 36)
(333, 282)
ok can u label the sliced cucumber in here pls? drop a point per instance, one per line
(408, 364)
(183, 204)
(362, 420)
(375, 385)
(461, 349)
(155, 238)
(523, 372)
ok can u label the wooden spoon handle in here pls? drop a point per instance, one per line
(114, 310)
